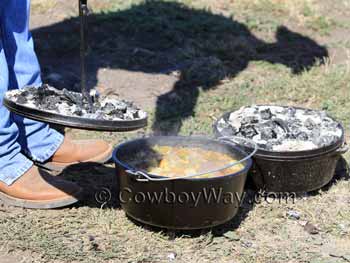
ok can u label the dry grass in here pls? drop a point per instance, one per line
(42, 6)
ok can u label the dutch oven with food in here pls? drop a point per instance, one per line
(181, 182)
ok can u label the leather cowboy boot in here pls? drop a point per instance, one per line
(38, 189)
(78, 151)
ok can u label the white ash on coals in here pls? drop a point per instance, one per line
(69, 103)
(276, 128)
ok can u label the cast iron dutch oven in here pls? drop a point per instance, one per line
(297, 171)
(185, 203)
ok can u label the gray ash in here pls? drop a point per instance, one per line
(73, 104)
(276, 128)
(266, 114)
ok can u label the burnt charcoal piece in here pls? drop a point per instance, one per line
(136, 115)
(100, 115)
(21, 99)
(44, 91)
(71, 103)
(281, 124)
(25, 93)
(294, 131)
(121, 115)
(315, 134)
(302, 136)
(310, 124)
(50, 103)
(250, 120)
(29, 90)
(267, 133)
(112, 109)
(333, 126)
(89, 108)
(97, 105)
(327, 120)
(78, 112)
(121, 106)
(72, 97)
(326, 140)
(95, 96)
(266, 147)
(248, 131)
(108, 108)
(281, 111)
(294, 122)
(277, 141)
(266, 114)
(226, 118)
(294, 126)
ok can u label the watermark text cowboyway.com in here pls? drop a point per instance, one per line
(210, 195)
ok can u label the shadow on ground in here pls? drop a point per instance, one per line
(342, 172)
(163, 37)
(98, 181)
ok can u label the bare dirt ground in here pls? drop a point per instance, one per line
(121, 63)
(187, 62)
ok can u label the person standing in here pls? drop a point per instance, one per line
(27, 145)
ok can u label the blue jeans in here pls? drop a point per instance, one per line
(20, 138)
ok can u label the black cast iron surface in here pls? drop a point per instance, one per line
(294, 175)
(75, 122)
(294, 171)
(171, 212)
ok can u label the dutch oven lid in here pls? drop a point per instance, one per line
(334, 147)
(75, 121)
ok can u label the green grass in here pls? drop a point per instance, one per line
(325, 87)
(322, 25)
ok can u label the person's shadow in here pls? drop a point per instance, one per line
(160, 37)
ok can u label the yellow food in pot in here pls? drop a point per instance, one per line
(184, 161)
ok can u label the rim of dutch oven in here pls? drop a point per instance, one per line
(132, 170)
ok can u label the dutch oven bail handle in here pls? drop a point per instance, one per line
(230, 140)
(343, 149)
